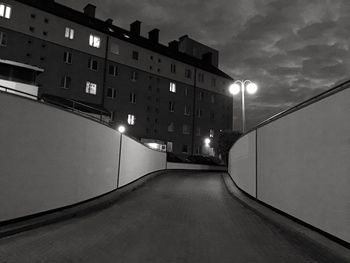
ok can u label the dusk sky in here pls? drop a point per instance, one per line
(293, 49)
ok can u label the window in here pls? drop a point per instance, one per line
(212, 115)
(151, 57)
(46, 20)
(134, 75)
(185, 129)
(159, 60)
(186, 91)
(45, 33)
(3, 39)
(187, 110)
(31, 29)
(171, 127)
(69, 33)
(92, 64)
(213, 82)
(173, 68)
(188, 73)
(32, 16)
(111, 93)
(115, 48)
(201, 95)
(171, 106)
(212, 98)
(5, 11)
(200, 77)
(67, 57)
(172, 87)
(211, 133)
(169, 146)
(65, 82)
(112, 70)
(199, 113)
(132, 97)
(198, 131)
(184, 148)
(198, 150)
(94, 41)
(131, 119)
(135, 55)
(91, 88)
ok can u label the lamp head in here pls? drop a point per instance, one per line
(252, 88)
(121, 129)
(234, 88)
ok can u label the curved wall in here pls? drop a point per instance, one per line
(51, 158)
(303, 165)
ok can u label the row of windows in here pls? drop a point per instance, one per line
(95, 41)
(186, 130)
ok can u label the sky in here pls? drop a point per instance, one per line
(292, 49)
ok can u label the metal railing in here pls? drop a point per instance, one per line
(79, 108)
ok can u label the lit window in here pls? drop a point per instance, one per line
(5, 11)
(198, 131)
(171, 127)
(115, 48)
(171, 106)
(211, 133)
(111, 93)
(92, 64)
(135, 55)
(67, 57)
(132, 98)
(185, 129)
(134, 75)
(184, 148)
(173, 68)
(172, 87)
(188, 73)
(65, 82)
(3, 39)
(187, 110)
(113, 70)
(94, 41)
(69, 33)
(91, 88)
(131, 119)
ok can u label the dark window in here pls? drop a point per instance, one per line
(188, 73)
(3, 39)
(46, 20)
(92, 64)
(134, 75)
(112, 70)
(184, 148)
(111, 93)
(67, 57)
(173, 68)
(171, 106)
(31, 29)
(45, 33)
(65, 82)
(33, 16)
(132, 98)
(135, 55)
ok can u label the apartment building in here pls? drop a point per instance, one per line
(172, 95)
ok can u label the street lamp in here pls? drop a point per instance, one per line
(121, 129)
(207, 142)
(240, 86)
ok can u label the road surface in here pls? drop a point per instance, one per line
(175, 217)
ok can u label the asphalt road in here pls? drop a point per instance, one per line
(176, 217)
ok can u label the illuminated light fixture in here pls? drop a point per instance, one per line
(235, 88)
(121, 129)
(153, 145)
(207, 142)
(252, 88)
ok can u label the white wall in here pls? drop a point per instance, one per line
(303, 164)
(138, 160)
(190, 166)
(51, 158)
(242, 163)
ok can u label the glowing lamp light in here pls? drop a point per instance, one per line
(207, 142)
(252, 88)
(234, 88)
(121, 129)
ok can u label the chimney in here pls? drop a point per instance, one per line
(135, 28)
(109, 21)
(174, 45)
(208, 58)
(90, 10)
(153, 35)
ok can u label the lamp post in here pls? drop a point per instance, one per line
(240, 86)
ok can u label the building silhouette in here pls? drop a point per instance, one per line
(171, 95)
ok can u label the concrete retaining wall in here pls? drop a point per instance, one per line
(303, 165)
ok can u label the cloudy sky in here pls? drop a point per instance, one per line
(293, 49)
